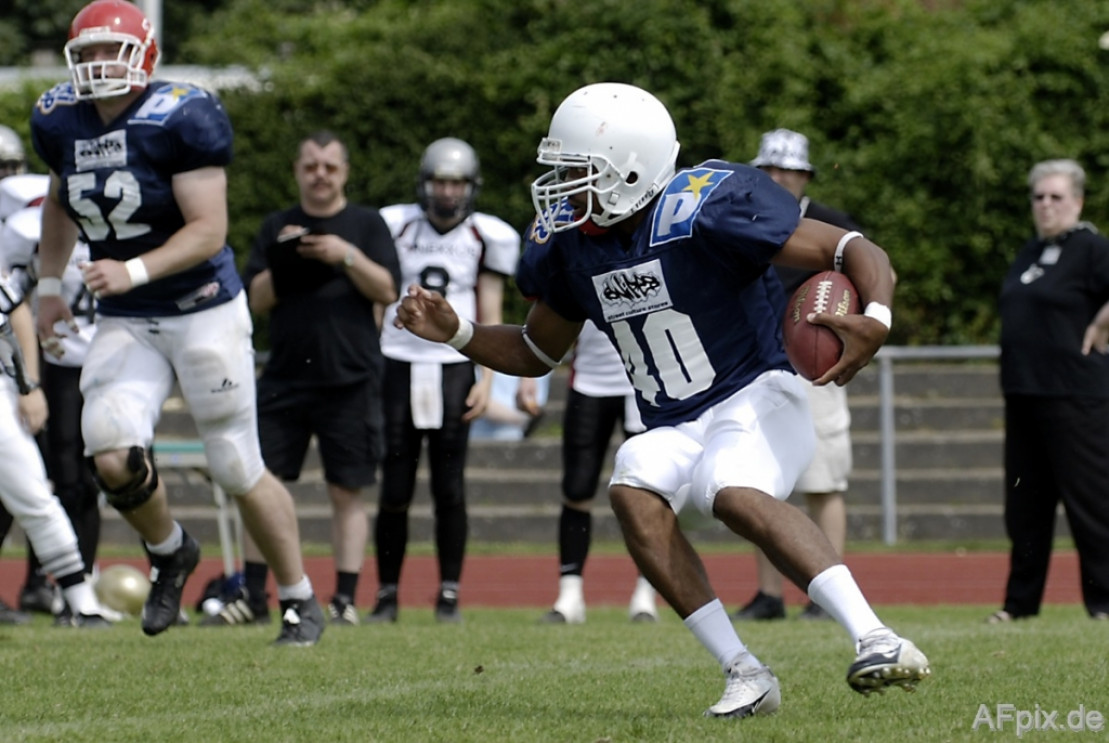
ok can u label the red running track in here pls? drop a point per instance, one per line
(532, 581)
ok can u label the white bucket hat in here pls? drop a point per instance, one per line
(785, 149)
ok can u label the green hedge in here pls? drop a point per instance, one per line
(924, 117)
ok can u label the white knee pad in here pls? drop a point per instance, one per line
(234, 463)
(115, 420)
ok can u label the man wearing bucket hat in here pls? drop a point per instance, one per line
(784, 156)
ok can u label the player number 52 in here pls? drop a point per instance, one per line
(121, 185)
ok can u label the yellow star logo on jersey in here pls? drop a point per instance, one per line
(697, 183)
(177, 91)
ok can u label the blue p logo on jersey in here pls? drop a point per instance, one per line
(681, 202)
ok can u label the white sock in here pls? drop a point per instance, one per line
(643, 597)
(712, 627)
(173, 542)
(571, 591)
(836, 592)
(299, 591)
(81, 598)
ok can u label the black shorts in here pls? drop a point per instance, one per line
(346, 421)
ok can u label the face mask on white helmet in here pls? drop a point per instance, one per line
(620, 143)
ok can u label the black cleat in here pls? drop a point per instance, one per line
(762, 607)
(168, 574)
(11, 616)
(385, 611)
(341, 611)
(446, 607)
(814, 612)
(91, 621)
(301, 623)
(244, 608)
(43, 598)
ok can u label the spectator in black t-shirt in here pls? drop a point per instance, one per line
(1054, 312)
(319, 269)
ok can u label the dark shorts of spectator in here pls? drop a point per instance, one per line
(346, 421)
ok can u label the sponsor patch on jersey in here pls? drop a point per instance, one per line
(60, 95)
(682, 201)
(107, 151)
(164, 102)
(632, 291)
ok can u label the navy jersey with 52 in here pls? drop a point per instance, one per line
(687, 299)
(117, 184)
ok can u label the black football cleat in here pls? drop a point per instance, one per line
(168, 574)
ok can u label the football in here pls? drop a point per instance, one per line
(122, 588)
(814, 349)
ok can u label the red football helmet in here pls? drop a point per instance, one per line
(111, 22)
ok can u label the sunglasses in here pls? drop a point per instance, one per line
(1056, 197)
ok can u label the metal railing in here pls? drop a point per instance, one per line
(886, 357)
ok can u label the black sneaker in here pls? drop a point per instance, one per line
(762, 607)
(43, 598)
(385, 610)
(244, 608)
(168, 574)
(301, 623)
(446, 607)
(813, 612)
(11, 616)
(341, 611)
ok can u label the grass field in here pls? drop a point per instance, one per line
(503, 677)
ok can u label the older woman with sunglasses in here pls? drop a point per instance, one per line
(1055, 379)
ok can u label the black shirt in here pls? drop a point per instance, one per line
(322, 329)
(1051, 293)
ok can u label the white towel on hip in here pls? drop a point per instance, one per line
(426, 391)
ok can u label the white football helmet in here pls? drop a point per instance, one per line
(12, 158)
(622, 137)
(111, 22)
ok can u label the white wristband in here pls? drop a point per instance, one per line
(879, 312)
(136, 269)
(838, 261)
(463, 335)
(49, 286)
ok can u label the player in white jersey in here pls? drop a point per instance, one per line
(431, 390)
(61, 442)
(24, 489)
(599, 397)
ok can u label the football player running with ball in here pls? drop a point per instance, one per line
(673, 267)
(137, 167)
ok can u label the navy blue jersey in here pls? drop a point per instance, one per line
(116, 184)
(688, 299)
